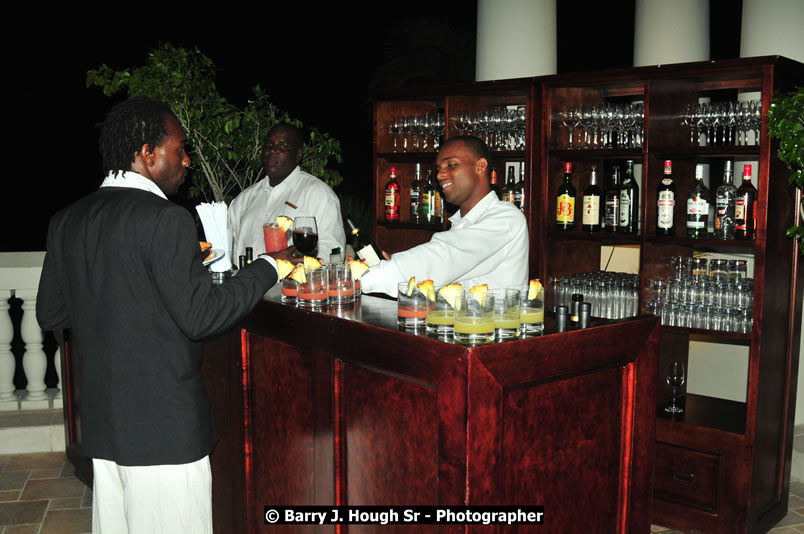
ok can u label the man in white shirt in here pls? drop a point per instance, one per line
(285, 182)
(488, 240)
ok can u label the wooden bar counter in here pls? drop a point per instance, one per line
(342, 408)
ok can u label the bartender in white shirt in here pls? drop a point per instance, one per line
(286, 182)
(488, 240)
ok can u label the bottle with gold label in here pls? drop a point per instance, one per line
(565, 201)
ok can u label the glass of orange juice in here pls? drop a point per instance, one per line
(411, 309)
(474, 318)
(314, 292)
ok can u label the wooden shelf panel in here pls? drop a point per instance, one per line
(707, 412)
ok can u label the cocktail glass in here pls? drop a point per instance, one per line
(474, 318)
(314, 292)
(275, 238)
(411, 309)
(440, 316)
(341, 287)
(531, 313)
(506, 313)
(290, 290)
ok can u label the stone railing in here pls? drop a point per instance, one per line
(19, 277)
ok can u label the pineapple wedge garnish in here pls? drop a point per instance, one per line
(480, 292)
(298, 273)
(284, 268)
(534, 288)
(205, 245)
(312, 264)
(284, 222)
(427, 289)
(450, 293)
(358, 268)
(411, 286)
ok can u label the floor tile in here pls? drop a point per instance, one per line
(14, 480)
(792, 518)
(797, 488)
(22, 529)
(45, 473)
(20, 513)
(67, 522)
(40, 460)
(66, 503)
(794, 501)
(52, 488)
(10, 495)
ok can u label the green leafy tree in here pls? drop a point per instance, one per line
(786, 123)
(224, 141)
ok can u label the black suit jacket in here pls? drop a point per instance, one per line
(123, 270)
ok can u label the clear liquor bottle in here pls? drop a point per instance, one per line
(725, 203)
(697, 206)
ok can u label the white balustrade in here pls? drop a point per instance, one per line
(19, 277)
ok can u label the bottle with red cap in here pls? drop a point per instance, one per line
(565, 201)
(392, 198)
(744, 207)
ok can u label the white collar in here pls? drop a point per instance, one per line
(477, 210)
(290, 179)
(132, 180)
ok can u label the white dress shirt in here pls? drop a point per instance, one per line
(489, 245)
(262, 203)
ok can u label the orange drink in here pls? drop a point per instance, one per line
(411, 309)
(275, 238)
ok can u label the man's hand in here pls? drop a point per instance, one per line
(286, 254)
(386, 255)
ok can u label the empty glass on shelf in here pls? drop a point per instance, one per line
(502, 128)
(417, 133)
(723, 123)
(604, 125)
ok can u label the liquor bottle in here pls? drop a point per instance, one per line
(666, 203)
(591, 204)
(425, 202)
(493, 183)
(611, 219)
(697, 206)
(438, 202)
(519, 189)
(565, 201)
(415, 195)
(744, 207)
(725, 197)
(366, 249)
(249, 255)
(509, 191)
(392, 198)
(629, 202)
(432, 211)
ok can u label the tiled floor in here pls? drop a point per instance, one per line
(39, 495)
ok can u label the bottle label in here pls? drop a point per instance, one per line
(612, 212)
(625, 209)
(368, 255)
(739, 213)
(665, 205)
(591, 210)
(565, 209)
(391, 198)
(436, 211)
(697, 212)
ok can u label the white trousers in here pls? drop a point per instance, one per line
(158, 499)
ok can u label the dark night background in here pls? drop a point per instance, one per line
(320, 64)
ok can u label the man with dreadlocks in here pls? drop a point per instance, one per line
(123, 270)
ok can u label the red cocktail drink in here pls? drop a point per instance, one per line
(275, 238)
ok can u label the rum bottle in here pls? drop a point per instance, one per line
(590, 219)
(611, 217)
(392, 198)
(745, 207)
(629, 202)
(666, 203)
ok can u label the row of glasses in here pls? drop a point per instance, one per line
(331, 286)
(604, 125)
(723, 123)
(704, 317)
(718, 269)
(612, 295)
(424, 132)
(500, 314)
(502, 128)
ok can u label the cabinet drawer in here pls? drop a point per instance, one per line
(687, 477)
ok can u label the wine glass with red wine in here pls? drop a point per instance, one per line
(305, 235)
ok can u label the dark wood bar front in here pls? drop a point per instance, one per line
(341, 408)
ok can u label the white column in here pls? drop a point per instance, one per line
(34, 361)
(670, 31)
(515, 38)
(773, 27)
(57, 363)
(7, 364)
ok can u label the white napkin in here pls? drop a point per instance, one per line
(213, 218)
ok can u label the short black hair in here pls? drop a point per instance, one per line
(475, 145)
(130, 125)
(295, 133)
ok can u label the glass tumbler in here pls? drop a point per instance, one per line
(313, 292)
(474, 318)
(341, 287)
(440, 316)
(506, 313)
(411, 309)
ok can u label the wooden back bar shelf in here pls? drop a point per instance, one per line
(725, 467)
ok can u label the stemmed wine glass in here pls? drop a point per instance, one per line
(305, 235)
(675, 379)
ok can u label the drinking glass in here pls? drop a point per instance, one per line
(440, 316)
(341, 287)
(275, 238)
(675, 379)
(313, 293)
(290, 290)
(305, 235)
(411, 309)
(474, 318)
(531, 312)
(506, 313)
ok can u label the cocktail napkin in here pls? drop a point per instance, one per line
(213, 218)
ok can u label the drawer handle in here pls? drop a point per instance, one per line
(687, 478)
